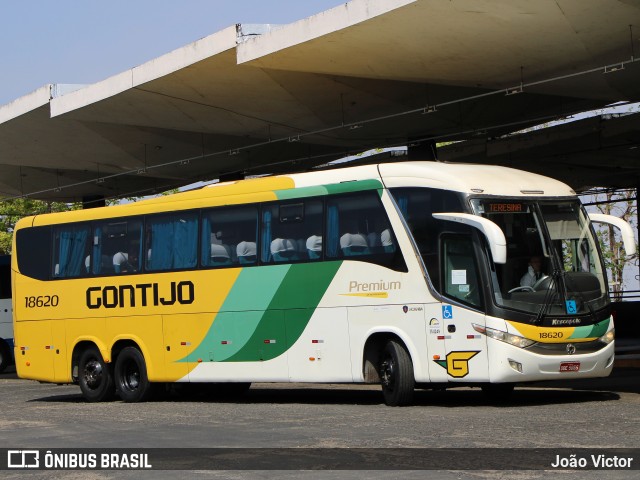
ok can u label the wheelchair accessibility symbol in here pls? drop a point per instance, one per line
(447, 312)
(571, 307)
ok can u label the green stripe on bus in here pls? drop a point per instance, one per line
(240, 313)
(265, 312)
(591, 331)
(289, 311)
(331, 189)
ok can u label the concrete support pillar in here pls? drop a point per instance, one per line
(93, 201)
(422, 150)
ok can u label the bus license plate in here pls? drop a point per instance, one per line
(570, 367)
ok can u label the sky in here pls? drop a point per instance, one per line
(85, 41)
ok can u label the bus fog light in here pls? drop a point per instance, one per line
(609, 361)
(517, 366)
(608, 337)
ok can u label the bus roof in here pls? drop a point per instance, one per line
(464, 178)
(473, 179)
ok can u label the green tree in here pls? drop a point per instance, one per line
(621, 204)
(13, 210)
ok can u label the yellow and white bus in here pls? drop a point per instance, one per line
(404, 274)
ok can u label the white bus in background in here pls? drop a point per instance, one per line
(6, 313)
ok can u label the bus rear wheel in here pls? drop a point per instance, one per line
(396, 375)
(94, 376)
(132, 383)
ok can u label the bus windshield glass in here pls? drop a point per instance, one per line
(553, 265)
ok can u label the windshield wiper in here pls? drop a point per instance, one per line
(548, 297)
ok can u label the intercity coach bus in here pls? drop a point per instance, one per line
(403, 274)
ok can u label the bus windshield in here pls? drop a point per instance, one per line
(553, 265)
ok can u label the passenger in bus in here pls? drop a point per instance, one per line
(534, 272)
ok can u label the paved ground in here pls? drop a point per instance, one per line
(588, 414)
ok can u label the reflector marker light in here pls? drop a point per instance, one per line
(317, 341)
(226, 342)
(185, 344)
(24, 348)
(470, 337)
(48, 347)
(269, 341)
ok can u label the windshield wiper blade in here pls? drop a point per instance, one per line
(547, 297)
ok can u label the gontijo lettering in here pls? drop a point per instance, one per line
(142, 294)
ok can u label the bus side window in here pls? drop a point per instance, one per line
(460, 269)
(229, 236)
(172, 241)
(292, 231)
(71, 247)
(116, 247)
(357, 225)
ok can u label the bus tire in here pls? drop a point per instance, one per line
(132, 383)
(396, 375)
(94, 376)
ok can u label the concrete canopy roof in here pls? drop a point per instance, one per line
(267, 99)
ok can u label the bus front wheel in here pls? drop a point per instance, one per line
(94, 376)
(132, 383)
(396, 375)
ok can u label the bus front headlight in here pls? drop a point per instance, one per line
(608, 337)
(515, 340)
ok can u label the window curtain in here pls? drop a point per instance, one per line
(185, 243)
(266, 235)
(403, 205)
(96, 252)
(333, 231)
(72, 252)
(205, 253)
(161, 245)
(141, 255)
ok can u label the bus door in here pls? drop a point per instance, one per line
(465, 349)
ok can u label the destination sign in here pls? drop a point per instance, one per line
(505, 208)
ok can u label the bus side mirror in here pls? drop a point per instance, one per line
(628, 239)
(492, 232)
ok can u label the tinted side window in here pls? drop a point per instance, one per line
(229, 236)
(460, 272)
(33, 248)
(292, 231)
(358, 229)
(417, 206)
(71, 249)
(172, 241)
(116, 247)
